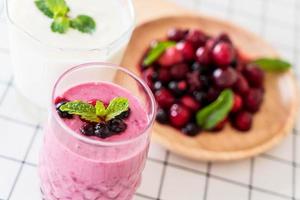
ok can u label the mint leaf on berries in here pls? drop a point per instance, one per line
(84, 24)
(212, 114)
(84, 110)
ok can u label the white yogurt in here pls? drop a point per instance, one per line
(40, 56)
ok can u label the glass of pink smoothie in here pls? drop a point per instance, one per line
(74, 166)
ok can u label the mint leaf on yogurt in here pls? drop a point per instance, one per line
(84, 110)
(100, 109)
(42, 6)
(58, 7)
(116, 106)
(60, 24)
(58, 10)
(84, 24)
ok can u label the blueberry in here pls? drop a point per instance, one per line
(117, 125)
(157, 85)
(199, 96)
(124, 115)
(102, 130)
(63, 114)
(88, 129)
(191, 129)
(162, 116)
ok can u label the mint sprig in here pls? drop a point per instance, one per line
(58, 10)
(98, 112)
(84, 24)
(42, 6)
(116, 107)
(208, 117)
(157, 50)
(84, 110)
(272, 64)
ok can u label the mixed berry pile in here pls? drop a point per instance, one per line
(189, 70)
(102, 129)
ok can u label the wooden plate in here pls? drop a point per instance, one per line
(271, 124)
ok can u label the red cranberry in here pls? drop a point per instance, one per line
(175, 34)
(203, 56)
(242, 121)
(220, 125)
(237, 103)
(60, 99)
(164, 98)
(223, 54)
(178, 88)
(194, 81)
(179, 115)
(210, 44)
(223, 37)
(196, 38)
(190, 103)
(170, 57)
(224, 78)
(164, 75)
(187, 50)
(254, 75)
(241, 85)
(253, 100)
(93, 101)
(147, 76)
(179, 71)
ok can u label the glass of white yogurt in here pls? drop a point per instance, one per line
(39, 55)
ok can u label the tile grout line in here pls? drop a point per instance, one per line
(23, 162)
(162, 180)
(198, 172)
(208, 169)
(144, 196)
(252, 162)
(17, 121)
(16, 160)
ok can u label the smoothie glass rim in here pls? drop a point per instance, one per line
(151, 114)
(111, 45)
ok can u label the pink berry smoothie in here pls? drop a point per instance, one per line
(93, 169)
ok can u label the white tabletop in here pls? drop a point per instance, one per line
(275, 175)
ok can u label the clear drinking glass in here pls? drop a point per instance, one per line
(38, 60)
(76, 167)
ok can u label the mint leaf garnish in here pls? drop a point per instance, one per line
(42, 6)
(272, 64)
(100, 109)
(84, 24)
(98, 112)
(208, 117)
(60, 25)
(84, 110)
(116, 107)
(157, 51)
(58, 7)
(58, 10)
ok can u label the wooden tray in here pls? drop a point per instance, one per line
(271, 124)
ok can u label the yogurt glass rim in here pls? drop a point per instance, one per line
(111, 45)
(87, 140)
